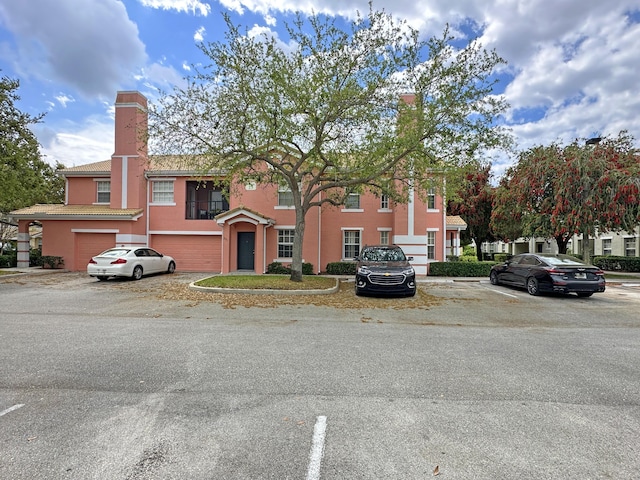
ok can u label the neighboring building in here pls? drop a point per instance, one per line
(136, 199)
(622, 244)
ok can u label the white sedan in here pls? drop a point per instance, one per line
(131, 262)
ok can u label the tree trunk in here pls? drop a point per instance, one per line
(562, 242)
(586, 247)
(296, 260)
(478, 243)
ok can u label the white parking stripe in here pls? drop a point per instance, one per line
(317, 448)
(11, 409)
(503, 293)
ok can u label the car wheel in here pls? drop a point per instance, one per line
(137, 273)
(102, 278)
(585, 294)
(172, 267)
(493, 278)
(532, 286)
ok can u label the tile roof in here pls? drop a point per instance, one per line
(57, 211)
(455, 221)
(103, 167)
(157, 164)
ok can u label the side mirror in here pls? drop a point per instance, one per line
(410, 259)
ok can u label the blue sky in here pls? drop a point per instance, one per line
(573, 65)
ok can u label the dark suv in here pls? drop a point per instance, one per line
(384, 269)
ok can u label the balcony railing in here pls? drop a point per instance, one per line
(205, 210)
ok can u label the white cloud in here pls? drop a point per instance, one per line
(199, 35)
(187, 6)
(77, 144)
(64, 99)
(67, 42)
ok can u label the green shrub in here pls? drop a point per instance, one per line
(501, 257)
(468, 258)
(9, 260)
(35, 257)
(277, 268)
(460, 269)
(341, 268)
(469, 250)
(51, 261)
(617, 264)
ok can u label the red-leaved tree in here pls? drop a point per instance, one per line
(473, 202)
(555, 191)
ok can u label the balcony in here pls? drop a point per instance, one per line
(205, 210)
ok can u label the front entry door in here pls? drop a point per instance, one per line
(246, 250)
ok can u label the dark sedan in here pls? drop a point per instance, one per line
(539, 273)
(384, 270)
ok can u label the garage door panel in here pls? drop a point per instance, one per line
(91, 244)
(196, 253)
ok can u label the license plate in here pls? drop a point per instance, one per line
(581, 276)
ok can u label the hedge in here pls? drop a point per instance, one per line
(617, 264)
(341, 268)
(460, 269)
(277, 268)
(8, 261)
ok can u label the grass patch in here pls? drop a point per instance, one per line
(5, 272)
(267, 282)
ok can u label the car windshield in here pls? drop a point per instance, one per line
(383, 255)
(563, 260)
(120, 252)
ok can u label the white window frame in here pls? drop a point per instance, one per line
(285, 197)
(384, 203)
(431, 245)
(352, 243)
(101, 183)
(629, 246)
(384, 237)
(431, 200)
(285, 239)
(161, 194)
(606, 246)
(351, 208)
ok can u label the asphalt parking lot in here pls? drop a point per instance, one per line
(151, 380)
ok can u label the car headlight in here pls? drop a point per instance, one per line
(409, 271)
(364, 271)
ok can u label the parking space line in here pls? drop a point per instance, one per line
(11, 409)
(503, 293)
(317, 448)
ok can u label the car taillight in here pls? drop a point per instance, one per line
(598, 272)
(93, 261)
(555, 271)
(119, 261)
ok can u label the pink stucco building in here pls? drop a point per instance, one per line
(137, 199)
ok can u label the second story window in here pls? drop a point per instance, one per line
(103, 188)
(431, 199)
(162, 191)
(384, 202)
(352, 202)
(285, 197)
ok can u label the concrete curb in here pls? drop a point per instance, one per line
(265, 291)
